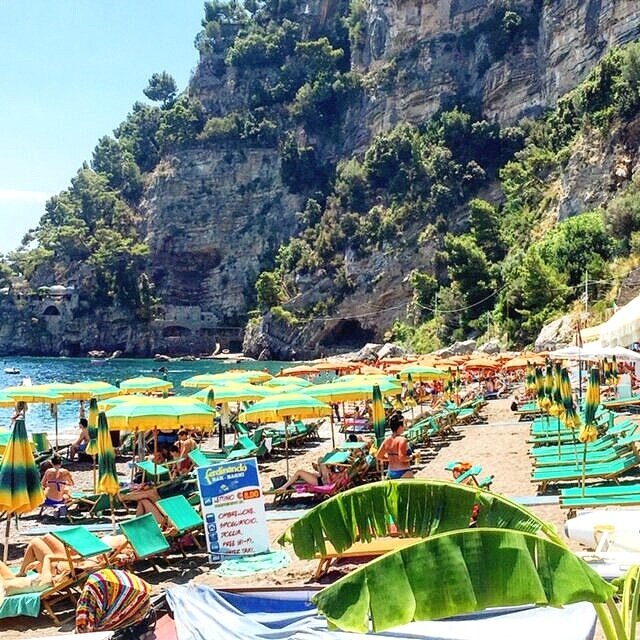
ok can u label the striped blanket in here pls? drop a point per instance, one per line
(112, 599)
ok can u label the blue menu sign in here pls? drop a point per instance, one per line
(233, 509)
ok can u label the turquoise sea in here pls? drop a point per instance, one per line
(43, 370)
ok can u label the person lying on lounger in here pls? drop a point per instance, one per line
(47, 554)
(321, 475)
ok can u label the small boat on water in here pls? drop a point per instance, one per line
(12, 370)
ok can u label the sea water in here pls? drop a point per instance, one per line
(45, 370)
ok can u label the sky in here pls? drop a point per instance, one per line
(70, 71)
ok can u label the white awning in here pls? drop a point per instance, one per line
(594, 351)
(623, 328)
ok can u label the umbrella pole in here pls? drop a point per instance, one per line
(56, 425)
(220, 435)
(333, 435)
(5, 551)
(155, 454)
(113, 515)
(286, 445)
(584, 464)
(95, 478)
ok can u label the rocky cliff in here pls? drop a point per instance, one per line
(216, 210)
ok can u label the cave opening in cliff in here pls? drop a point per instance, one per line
(175, 331)
(348, 334)
(51, 310)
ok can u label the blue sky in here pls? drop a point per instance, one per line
(70, 70)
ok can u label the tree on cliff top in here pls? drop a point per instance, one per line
(161, 88)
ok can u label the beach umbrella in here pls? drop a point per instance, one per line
(421, 373)
(160, 413)
(530, 384)
(614, 371)
(107, 475)
(20, 488)
(96, 389)
(351, 390)
(410, 400)
(145, 384)
(284, 407)
(92, 428)
(299, 370)
(37, 394)
(287, 381)
(589, 432)
(335, 365)
(379, 418)
(234, 392)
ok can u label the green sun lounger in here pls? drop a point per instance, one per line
(182, 516)
(145, 536)
(602, 490)
(157, 472)
(589, 502)
(565, 473)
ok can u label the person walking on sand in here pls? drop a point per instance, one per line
(395, 450)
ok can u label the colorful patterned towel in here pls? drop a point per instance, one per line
(112, 599)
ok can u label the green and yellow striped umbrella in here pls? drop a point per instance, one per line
(20, 488)
(161, 413)
(287, 381)
(614, 371)
(108, 477)
(569, 416)
(92, 420)
(379, 419)
(421, 373)
(531, 377)
(410, 400)
(589, 431)
(145, 384)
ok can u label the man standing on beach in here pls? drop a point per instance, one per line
(83, 439)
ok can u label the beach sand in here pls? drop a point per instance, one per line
(499, 446)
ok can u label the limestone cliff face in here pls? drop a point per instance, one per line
(215, 220)
(437, 50)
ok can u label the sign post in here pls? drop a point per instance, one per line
(233, 509)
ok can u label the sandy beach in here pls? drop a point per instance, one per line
(499, 446)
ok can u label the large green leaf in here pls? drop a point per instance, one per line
(418, 508)
(459, 572)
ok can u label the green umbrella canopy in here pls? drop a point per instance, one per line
(34, 393)
(20, 489)
(97, 389)
(286, 405)
(145, 384)
(107, 475)
(234, 392)
(160, 413)
(379, 419)
(287, 381)
(420, 372)
(213, 379)
(341, 391)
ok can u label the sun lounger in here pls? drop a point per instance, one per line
(374, 548)
(545, 476)
(182, 516)
(618, 403)
(145, 537)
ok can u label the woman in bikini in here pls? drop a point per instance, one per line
(56, 483)
(395, 450)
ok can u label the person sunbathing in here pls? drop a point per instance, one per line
(56, 482)
(321, 475)
(47, 553)
(145, 500)
(12, 583)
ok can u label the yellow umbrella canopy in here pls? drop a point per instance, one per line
(34, 393)
(145, 384)
(287, 381)
(419, 372)
(285, 405)
(234, 392)
(164, 413)
(96, 389)
(342, 391)
(204, 380)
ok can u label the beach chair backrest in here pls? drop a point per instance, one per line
(149, 468)
(82, 541)
(198, 458)
(247, 443)
(145, 536)
(181, 514)
(41, 442)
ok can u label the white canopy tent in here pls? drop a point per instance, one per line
(594, 351)
(623, 328)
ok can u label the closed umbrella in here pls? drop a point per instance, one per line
(92, 428)
(379, 418)
(107, 476)
(20, 488)
(589, 432)
(284, 407)
(556, 408)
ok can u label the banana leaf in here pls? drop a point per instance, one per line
(459, 572)
(417, 508)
